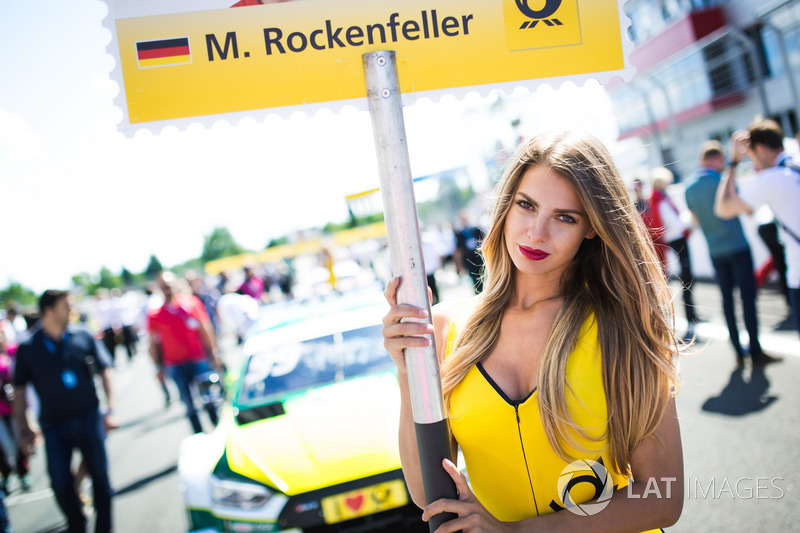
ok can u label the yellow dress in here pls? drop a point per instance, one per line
(512, 468)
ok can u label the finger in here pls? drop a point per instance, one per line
(401, 329)
(464, 492)
(444, 505)
(456, 524)
(396, 347)
(395, 342)
(407, 336)
(400, 311)
(391, 290)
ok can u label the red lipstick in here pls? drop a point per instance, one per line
(532, 254)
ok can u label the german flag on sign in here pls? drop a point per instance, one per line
(163, 52)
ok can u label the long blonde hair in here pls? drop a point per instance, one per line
(616, 275)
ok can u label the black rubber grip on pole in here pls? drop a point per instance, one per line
(433, 442)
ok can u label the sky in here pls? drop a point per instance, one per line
(77, 195)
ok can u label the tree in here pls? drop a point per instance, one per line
(107, 279)
(83, 281)
(218, 244)
(280, 241)
(127, 277)
(17, 294)
(153, 268)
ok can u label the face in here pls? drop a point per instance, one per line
(759, 156)
(545, 225)
(60, 312)
(717, 162)
(165, 283)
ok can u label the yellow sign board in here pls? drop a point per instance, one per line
(225, 57)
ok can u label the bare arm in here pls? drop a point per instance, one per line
(110, 419)
(728, 202)
(695, 221)
(155, 350)
(28, 434)
(655, 497)
(105, 377)
(209, 340)
(207, 336)
(409, 455)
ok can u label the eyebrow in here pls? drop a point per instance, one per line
(561, 211)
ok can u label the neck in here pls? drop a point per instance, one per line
(529, 290)
(52, 329)
(533, 296)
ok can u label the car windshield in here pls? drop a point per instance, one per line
(315, 362)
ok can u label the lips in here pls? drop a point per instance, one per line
(533, 254)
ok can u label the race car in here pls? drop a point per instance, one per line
(307, 439)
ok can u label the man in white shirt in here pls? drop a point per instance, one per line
(777, 184)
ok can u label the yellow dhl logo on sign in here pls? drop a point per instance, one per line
(537, 24)
(231, 60)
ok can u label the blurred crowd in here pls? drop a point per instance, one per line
(710, 203)
(179, 321)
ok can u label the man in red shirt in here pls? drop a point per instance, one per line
(182, 341)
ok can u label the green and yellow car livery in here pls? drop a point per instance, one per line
(308, 438)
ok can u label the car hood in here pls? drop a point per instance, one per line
(328, 435)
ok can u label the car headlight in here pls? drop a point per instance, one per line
(237, 494)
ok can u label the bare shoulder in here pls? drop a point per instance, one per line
(454, 310)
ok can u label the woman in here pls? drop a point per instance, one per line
(567, 355)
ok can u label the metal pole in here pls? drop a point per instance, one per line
(787, 66)
(750, 49)
(405, 248)
(651, 116)
(675, 133)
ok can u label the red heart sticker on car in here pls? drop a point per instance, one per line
(354, 502)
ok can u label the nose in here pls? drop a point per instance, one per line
(538, 229)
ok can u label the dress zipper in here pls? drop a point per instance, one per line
(525, 456)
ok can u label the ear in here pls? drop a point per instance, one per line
(591, 235)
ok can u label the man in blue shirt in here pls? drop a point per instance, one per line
(60, 362)
(730, 252)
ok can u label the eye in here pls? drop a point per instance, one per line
(524, 204)
(569, 219)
